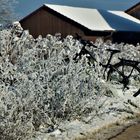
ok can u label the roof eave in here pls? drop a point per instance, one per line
(84, 27)
(32, 13)
(132, 7)
(45, 6)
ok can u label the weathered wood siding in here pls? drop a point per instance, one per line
(45, 22)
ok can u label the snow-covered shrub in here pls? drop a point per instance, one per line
(41, 85)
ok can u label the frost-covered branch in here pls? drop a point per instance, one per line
(41, 85)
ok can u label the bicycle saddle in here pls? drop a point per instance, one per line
(113, 50)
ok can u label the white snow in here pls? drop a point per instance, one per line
(98, 20)
(42, 93)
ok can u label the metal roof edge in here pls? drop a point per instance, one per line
(47, 5)
(66, 16)
(30, 14)
(132, 7)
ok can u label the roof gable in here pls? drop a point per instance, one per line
(56, 14)
(83, 16)
(95, 20)
(138, 4)
(99, 20)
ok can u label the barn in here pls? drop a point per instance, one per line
(134, 11)
(88, 23)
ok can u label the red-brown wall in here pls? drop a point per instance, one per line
(44, 22)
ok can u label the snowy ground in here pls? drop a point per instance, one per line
(113, 112)
(46, 95)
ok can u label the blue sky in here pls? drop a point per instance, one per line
(24, 7)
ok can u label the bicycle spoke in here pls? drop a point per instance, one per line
(131, 72)
(123, 69)
(127, 75)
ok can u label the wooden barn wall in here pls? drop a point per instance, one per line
(43, 22)
(135, 12)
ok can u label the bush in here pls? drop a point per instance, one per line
(41, 85)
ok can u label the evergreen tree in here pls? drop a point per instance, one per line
(7, 14)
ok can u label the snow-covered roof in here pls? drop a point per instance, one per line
(98, 20)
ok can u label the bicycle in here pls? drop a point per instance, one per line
(125, 72)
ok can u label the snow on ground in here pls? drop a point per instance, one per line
(114, 111)
(46, 95)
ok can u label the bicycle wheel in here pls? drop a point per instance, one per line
(125, 76)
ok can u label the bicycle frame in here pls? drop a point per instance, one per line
(125, 80)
